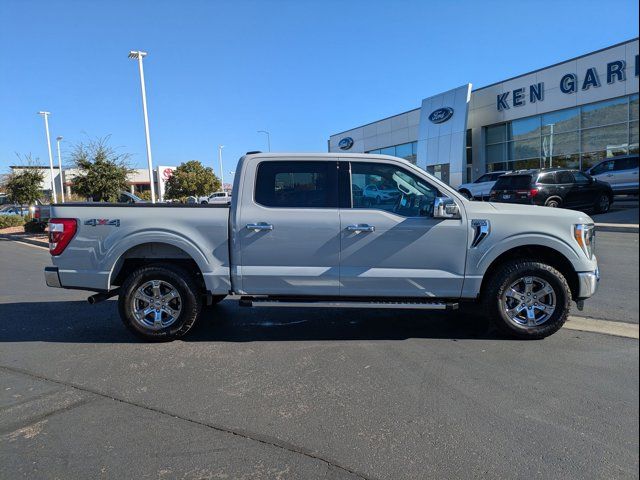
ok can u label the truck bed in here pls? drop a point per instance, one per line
(110, 234)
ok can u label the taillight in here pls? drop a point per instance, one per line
(533, 192)
(61, 231)
(36, 212)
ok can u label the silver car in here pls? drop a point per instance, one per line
(621, 173)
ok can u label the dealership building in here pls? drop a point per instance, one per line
(571, 114)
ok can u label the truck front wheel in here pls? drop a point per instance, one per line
(527, 299)
(159, 303)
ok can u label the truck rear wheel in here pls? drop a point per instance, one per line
(159, 303)
(527, 299)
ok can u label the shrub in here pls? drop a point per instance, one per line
(34, 227)
(11, 221)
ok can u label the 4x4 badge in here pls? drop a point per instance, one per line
(94, 222)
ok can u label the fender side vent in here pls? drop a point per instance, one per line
(481, 230)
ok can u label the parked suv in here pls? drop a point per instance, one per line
(481, 188)
(621, 173)
(553, 188)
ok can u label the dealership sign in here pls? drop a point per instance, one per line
(441, 115)
(569, 83)
(346, 143)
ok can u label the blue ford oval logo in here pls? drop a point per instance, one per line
(346, 143)
(441, 115)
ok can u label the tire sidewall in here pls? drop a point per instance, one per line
(545, 272)
(191, 303)
(599, 209)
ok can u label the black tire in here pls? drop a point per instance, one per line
(552, 203)
(512, 272)
(466, 194)
(189, 296)
(603, 203)
(378, 200)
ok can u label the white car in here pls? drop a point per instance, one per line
(481, 188)
(379, 193)
(218, 197)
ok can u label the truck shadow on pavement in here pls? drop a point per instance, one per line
(78, 322)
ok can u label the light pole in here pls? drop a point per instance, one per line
(58, 139)
(139, 55)
(268, 138)
(220, 147)
(45, 115)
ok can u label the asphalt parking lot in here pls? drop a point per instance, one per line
(292, 393)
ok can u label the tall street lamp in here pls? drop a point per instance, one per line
(45, 115)
(268, 138)
(58, 139)
(139, 55)
(220, 147)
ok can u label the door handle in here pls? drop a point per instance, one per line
(257, 227)
(361, 228)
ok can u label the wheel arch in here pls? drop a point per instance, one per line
(554, 197)
(540, 253)
(153, 252)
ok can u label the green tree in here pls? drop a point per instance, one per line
(102, 171)
(191, 179)
(24, 187)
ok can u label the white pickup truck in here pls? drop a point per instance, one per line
(299, 231)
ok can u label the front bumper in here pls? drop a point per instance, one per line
(51, 277)
(588, 283)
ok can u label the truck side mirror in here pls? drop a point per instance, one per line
(445, 207)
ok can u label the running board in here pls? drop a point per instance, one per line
(418, 305)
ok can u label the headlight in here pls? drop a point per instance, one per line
(585, 236)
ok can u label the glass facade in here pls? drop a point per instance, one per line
(576, 137)
(408, 151)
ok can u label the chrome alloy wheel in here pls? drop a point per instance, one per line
(529, 301)
(156, 304)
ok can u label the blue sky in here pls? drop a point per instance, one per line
(218, 71)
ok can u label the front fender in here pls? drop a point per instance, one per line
(575, 256)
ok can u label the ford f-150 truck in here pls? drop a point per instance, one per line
(300, 232)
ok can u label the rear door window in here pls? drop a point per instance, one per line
(565, 177)
(513, 182)
(626, 164)
(297, 184)
(547, 179)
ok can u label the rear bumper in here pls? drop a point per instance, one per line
(51, 277)
(588, 283)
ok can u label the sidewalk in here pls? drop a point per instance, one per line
(623, 216)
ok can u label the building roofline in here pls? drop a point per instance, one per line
(558, 63)
(499, 82)
(375, 121)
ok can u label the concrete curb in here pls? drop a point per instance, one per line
(617, 227)
(25, 239)
(606, 327)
